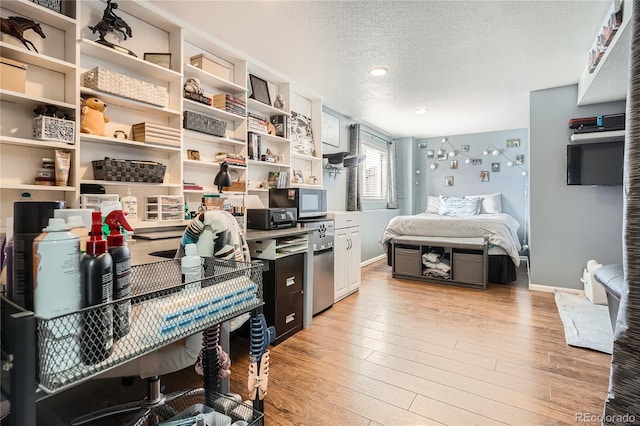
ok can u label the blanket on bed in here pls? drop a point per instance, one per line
(500, 230)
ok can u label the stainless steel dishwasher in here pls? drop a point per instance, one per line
(321, 240)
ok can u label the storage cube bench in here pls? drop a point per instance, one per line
(612, 279)
(467, 258)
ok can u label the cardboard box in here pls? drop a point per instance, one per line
(212, 66)
(13, 75)
(54, 129)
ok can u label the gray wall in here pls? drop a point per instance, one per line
(466, 178)
(373, 221)
(569, 224)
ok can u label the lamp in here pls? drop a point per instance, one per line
(222, 178)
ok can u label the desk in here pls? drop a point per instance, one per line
(237, 293)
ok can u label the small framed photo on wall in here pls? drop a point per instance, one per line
(513, 143)
(454, 164)
(476, 161)
(448, 181)
(430, 153)
(484, 176)
(465, 148)
(193, 154)
(520, 159)
(495, 167)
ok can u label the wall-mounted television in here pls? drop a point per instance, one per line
(598, 163)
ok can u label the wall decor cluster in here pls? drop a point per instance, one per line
(448, 151)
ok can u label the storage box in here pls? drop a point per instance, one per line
(13, 75)
(212, 66)
(54, 129)
(128, 170)
(204, 124)
(122, 85)
(407, 261)
(92, 201)
(165, 207)
(156, 134)
(236, 186)
(468, 268)
(55, 5)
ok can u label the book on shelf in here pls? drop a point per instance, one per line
(272, 179)
(227, 97)
(253, 146)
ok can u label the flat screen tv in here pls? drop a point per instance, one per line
(599, 164)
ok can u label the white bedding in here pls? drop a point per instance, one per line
(500, 230)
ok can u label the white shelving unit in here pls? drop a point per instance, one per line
(612, 136)
(70, 49)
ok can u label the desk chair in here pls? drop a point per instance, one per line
(221, 238)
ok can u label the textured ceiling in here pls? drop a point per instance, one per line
(471, 63)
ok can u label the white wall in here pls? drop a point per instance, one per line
(569, 224)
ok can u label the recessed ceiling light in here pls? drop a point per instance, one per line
(377, 71)
(422, 110)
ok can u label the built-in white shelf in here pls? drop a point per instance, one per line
(266, 137)
(119, 183)
(213, 80)
(268, 164)
(110, 100)
(616, 135)
(305, 157)
(21, 98)
(38, 59)
(254, 105)
(40, 14)
(30, 187)
(192, 134)
(10, 140)
(104, 140)
(209, 110)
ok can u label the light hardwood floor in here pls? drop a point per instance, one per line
(401, 352)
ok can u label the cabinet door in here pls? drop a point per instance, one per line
(354, 259)
(341, 265)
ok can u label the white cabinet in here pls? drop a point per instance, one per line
(347, 253)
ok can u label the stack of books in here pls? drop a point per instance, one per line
(156, 134)
(231, 159)
(230, 104)
(257, 123)
(254, 141)
(191, 186)
(278, 179)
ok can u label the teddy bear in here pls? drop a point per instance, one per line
(93, 118)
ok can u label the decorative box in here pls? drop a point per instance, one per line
(13, 75)
(122, 85)
(204, 124)
(55, 5)
(156, 134)
(128, 170)
(165, 207)
(54, 129)
(213, 66)
(236, 186)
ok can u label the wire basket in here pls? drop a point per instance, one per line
(161, 310)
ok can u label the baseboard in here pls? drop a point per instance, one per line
(372, 260)
(551, 289)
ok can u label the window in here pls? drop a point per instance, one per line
(374, 187)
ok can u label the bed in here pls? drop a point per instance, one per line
(461, 218)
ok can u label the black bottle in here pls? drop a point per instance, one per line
(96, 278)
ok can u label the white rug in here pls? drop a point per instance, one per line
(586, 325)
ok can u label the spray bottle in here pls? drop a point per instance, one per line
(121, 256)
(96, 277)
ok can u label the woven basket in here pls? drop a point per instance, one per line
(204, 124)
(122, 85)
(128, 170)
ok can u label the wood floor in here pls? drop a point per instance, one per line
(402, 352)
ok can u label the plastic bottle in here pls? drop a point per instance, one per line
(121, 256)
(79, 228)
(56, 265)
(107, 207)
(191, 265)
(130, 206)
(96, 277)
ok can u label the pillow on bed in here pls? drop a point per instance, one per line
(491, 203)
(433, 204)
(453, 206)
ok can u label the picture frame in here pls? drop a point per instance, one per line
(443, 156)
(476, 161)
(430, 153)
(465, 148)
(448, 181)
(193, 154)
(162, 59)
(454, 164)
(520, 159)
(330, 130)
(513, 143)
(259, 90)
(495, 167)
(484, 176)
(302, 134)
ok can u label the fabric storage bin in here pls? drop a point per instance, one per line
(122, 85)
(13, 75)
(128, 170)
(468, 267)
(204, 124)
(54, 129)
(407, 260)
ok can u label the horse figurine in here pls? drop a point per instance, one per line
(16, 25)
(111, 23)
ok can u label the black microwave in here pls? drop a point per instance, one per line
(309, 202)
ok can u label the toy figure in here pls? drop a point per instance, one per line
(16, 25)
(93, 118)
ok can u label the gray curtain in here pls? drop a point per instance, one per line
(354, 176)
(623, 401)
(392, 202)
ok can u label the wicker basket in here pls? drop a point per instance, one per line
(204, 124)
(128, 170)
(122, 85)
